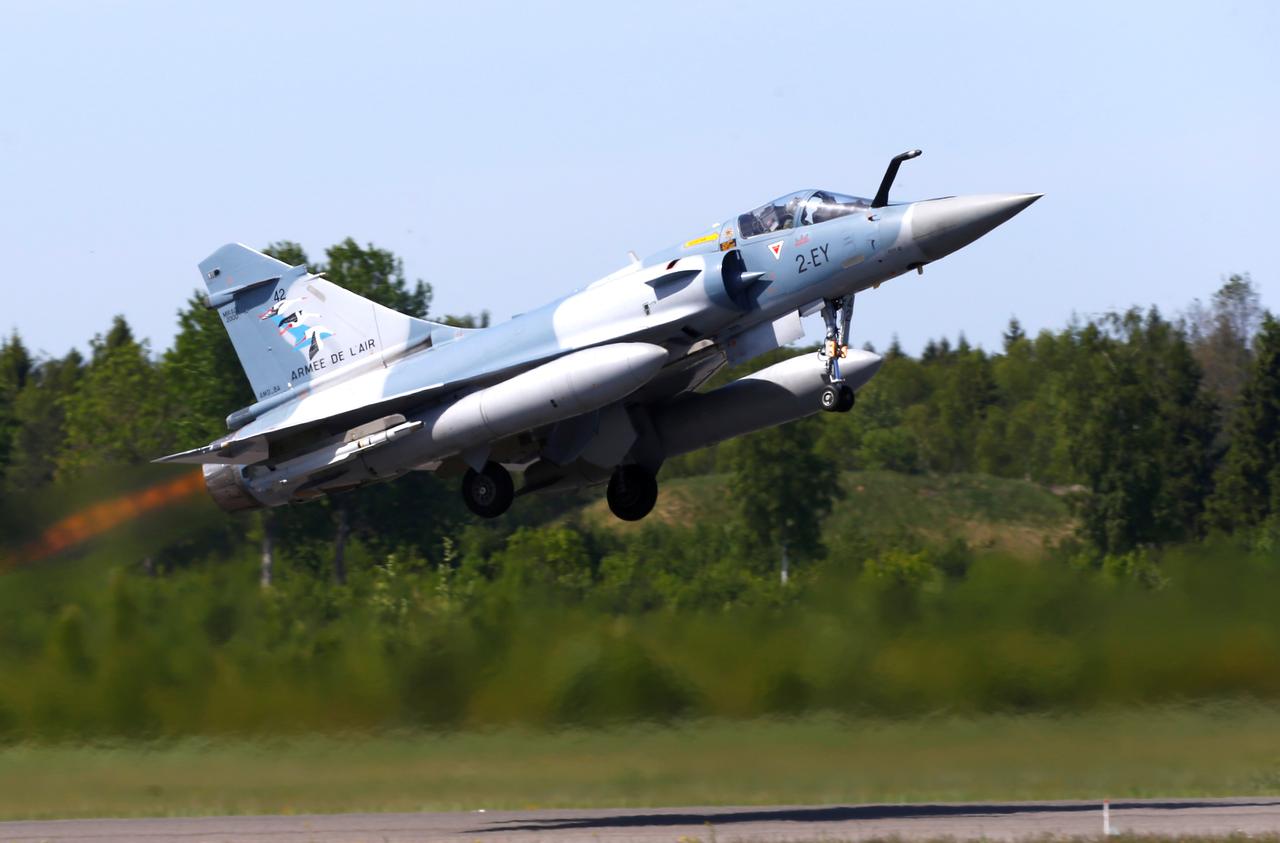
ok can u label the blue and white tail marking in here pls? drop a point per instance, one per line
(293, 329)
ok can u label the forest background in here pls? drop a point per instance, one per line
(1081, 519)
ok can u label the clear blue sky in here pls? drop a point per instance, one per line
(511, 152)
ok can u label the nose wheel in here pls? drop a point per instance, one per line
(488, 492)
(837, 396)
(633, 490)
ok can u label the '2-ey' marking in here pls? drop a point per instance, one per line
(817, 257)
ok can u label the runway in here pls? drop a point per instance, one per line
(832, 823)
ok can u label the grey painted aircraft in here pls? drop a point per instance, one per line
(597, 386)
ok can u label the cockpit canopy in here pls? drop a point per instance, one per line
(804, 207)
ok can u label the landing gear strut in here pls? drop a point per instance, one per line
(837, 396)
(633, 490)
(488, 492)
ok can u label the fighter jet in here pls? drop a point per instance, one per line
(597, 387)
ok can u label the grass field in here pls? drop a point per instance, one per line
(1228, 749)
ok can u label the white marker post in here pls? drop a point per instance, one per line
(1106, 818)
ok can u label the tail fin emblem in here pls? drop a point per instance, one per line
(288, 316)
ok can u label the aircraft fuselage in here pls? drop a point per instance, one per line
(595, 385)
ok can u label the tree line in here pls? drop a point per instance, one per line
(391, 606)
(1164, 429)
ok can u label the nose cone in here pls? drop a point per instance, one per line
(858, 366)
(941, 226)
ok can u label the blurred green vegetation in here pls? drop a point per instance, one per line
(566, 624)
(1167, 751)
(876, 510)
(1085, 519)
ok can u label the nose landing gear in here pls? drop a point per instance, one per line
(837, 396)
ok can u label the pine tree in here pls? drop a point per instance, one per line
(1013, 334)
(1222, 336)
(962, 391)
(1247, 488)
(15, 369)
(15, 363)
(40, 416)
(1188, 424)
(118, 412)
(895, 349)
(1138, 431)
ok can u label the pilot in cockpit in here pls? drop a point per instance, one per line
(788, 217)
(767, 219)
(775, 218)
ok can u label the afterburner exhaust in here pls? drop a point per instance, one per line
(226, 486)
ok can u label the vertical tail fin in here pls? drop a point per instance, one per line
(290, 327)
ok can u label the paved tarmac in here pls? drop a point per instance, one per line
(992, 821)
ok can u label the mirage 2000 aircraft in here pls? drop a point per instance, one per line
(598, 386)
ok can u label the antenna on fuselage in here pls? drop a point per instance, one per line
(882, 195)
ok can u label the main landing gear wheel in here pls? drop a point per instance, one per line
(837, 398)
(488, 492)
(633, 490)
